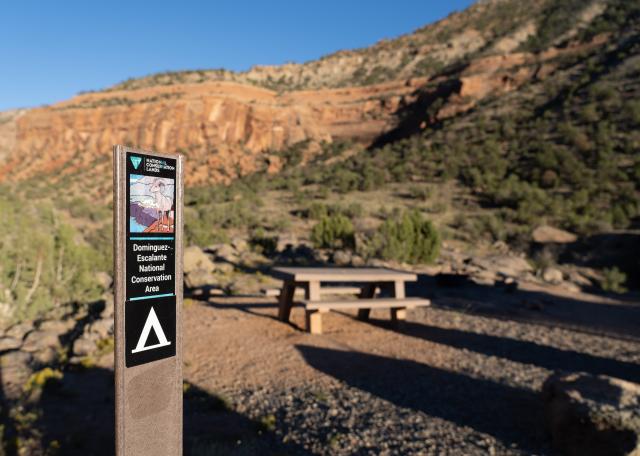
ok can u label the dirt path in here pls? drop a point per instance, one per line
(447, 382)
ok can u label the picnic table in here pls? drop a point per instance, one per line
(370, 280)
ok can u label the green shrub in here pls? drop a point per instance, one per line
(613, 280)
(409, 239)
(422, 193)
(262, 242)
(317, 211)
(334, 232)
(42, 378)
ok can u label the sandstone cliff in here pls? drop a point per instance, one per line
(230, 124)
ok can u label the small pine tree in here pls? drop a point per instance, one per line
(410, 239)
(333, 232)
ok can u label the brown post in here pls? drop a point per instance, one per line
(148, 230)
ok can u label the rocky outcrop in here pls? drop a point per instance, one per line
(592, 415)
(549, 235)
(226, 129)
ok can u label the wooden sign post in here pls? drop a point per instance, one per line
(148, 302)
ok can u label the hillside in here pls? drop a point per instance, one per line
(528, 119)
(230, 124)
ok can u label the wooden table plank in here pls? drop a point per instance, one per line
(304, 274)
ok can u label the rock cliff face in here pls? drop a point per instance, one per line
(230, 124)
(225, 128)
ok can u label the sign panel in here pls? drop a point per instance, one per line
(151, 259)
(148, 302)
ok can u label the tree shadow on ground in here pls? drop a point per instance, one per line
(520, 351)
(513, 416)
(620, 319)
(75, 416)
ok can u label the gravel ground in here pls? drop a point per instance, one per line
(446, 383)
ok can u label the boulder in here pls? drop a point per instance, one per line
(102, 328)
(224, 268)
(16, 369)
(546, 234)
(60, 327)
(9, 343)
(104, 279)
(47, 355)
(199, 278)
(41, 340)
(357, 261)
(592, 415)
(552, 275)
(505, 265)
(20, 330)
(342, 257)
(224, 252)
(195, 259)
(286, 240)
(239, 244)
(108, 310)
(83, 347)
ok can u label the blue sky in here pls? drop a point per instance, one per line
(51, 50)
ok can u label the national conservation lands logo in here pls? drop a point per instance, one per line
(135, 161)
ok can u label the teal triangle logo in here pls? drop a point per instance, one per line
(135, 161)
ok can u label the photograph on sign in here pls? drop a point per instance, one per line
(151, 204)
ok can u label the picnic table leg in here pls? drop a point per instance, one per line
(398, 315)
(368, 292)
(313, 291)
(314, 321)
(285, 302)
(313, 317)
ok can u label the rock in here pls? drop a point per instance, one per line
(83, 347)
(357, 261)
(239, 244)
(20, 330)
(199, 278)
(9, 343)
(40, 340)
(547, 234)
(224, 268)
(59, 327)
(342, 257)
(579, 279)
(108, 310)
(286, 240)
(104, 280)
(592, 415)
(506, 265)
(225, 252)
(16, 369)
(195, 259)
(102, 328)
(47, 355)
(552, 275)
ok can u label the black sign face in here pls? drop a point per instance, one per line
(150, 307)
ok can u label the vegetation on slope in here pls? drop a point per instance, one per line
(45, 260)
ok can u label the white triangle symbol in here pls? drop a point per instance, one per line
(152, 322)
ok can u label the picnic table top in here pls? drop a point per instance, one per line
(329, 274)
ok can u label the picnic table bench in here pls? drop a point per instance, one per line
(371, 280)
